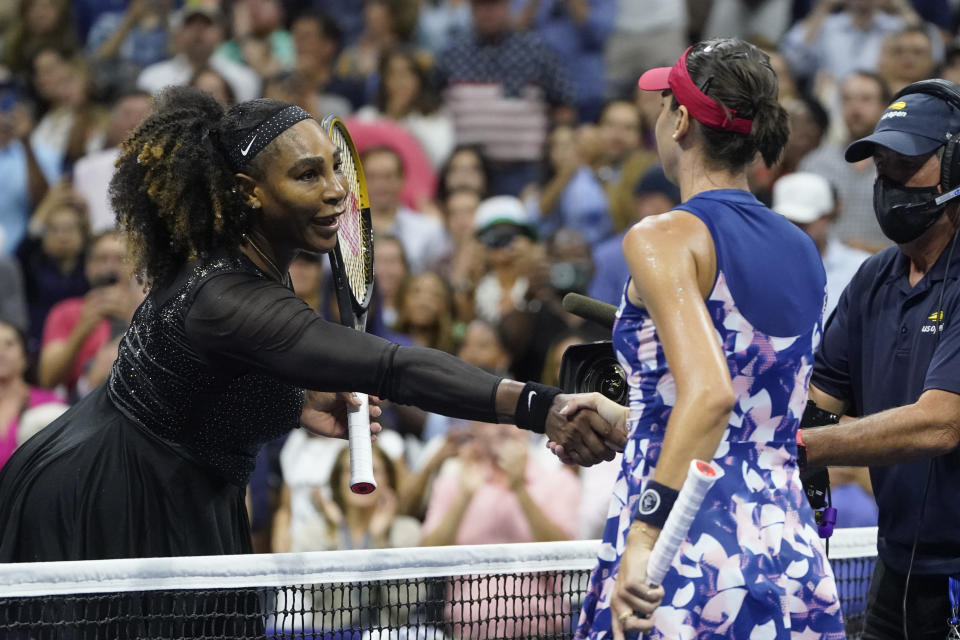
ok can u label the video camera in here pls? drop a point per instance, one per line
(593, 367)
(590, 367)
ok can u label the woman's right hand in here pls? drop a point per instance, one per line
(325, 413)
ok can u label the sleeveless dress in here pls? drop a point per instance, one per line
(752, 565)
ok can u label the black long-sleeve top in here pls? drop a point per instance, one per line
(217, 362)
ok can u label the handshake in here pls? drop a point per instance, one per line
(586, 428)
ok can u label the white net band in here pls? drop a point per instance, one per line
(329, 567)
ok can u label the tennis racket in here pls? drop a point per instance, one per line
(700, 478)
(352, 264)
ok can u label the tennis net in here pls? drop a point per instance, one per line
(440, 593)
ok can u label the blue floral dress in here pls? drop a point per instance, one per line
(752, 566)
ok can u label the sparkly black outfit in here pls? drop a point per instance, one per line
(154, 462)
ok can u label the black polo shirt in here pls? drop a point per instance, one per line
(880, 351)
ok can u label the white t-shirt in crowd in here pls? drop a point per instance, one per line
(841, 262)
(178, 71)
(423, 238)
(91, 177)
(647, 16)
(434, 132)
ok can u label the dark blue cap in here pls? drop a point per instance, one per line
(914, 125)
(653, 180)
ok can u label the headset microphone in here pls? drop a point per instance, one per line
(947, 197)
(930, 206)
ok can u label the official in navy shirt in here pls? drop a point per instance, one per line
(889, 356)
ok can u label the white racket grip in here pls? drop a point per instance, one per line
(361, 450)
(700, 478)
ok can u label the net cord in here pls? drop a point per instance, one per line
(328, 567)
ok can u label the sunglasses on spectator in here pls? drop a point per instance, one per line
(499, 237)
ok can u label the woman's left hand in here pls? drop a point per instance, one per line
(633, 599)
(325, 413)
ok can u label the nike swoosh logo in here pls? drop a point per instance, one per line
(530, 400)
(244, 152)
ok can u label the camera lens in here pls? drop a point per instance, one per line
(607, 377)
(592, 367)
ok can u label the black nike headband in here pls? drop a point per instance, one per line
(245, 151)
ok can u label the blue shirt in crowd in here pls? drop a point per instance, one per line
(582, 207)
(880, 351)
(440, 23)
(610, 270)
(86, 12)
(15, 203)
(579, 47)
(348, 14)
(142, 48)
(513, 60)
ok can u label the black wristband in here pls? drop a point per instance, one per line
(534, 405)
(655, 503)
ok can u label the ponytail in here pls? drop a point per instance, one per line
(739, 77)
(770, 130)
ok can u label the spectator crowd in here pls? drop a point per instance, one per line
(506, 151)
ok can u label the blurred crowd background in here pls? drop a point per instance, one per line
(506, 150)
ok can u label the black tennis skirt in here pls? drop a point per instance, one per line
(96, 484)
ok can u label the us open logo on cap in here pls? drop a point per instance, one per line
(649, 502)
(894, 114)
(896, 110)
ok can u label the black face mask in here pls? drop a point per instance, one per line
(904, 213)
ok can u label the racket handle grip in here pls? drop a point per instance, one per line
(361, 449)
(700, 478)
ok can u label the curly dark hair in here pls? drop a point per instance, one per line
(738, 75)
(176, 196)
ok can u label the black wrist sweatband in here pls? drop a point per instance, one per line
(813, 416)
(534, 405)
(655, 504)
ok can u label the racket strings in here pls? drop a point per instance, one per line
(354, 235)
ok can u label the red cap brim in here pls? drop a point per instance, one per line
(655, 79)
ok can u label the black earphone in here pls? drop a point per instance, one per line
(949, 177)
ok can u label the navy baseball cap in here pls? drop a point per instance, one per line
(914, 125)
